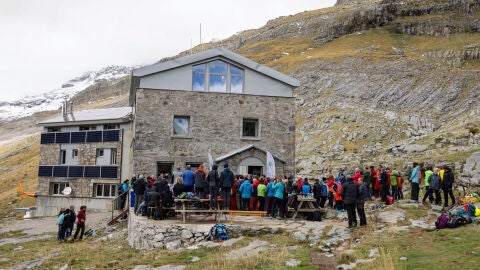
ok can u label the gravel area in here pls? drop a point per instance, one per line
(40, 225)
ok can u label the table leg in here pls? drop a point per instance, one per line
(184, 213)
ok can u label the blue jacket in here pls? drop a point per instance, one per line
(246, 189)
(414, 175)
(270, 189)
(305, 189)
(188, 178)
(279, 188)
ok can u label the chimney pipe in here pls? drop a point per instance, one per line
(64, 109)
(71, 107)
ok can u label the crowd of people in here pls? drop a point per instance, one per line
(342, 191)
(66, 219)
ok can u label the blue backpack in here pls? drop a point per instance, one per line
(60, 219)
(218, 231)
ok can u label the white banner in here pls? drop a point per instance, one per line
(210, 160)
(270, 165)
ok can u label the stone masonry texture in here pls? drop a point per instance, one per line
(215, 123)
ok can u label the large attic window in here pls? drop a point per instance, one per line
(217, 76)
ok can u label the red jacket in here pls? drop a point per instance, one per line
(81, 216)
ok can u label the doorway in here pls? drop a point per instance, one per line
(255, 170)
(165, 167)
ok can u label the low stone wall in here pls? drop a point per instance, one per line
(169, 234)
(147, 235)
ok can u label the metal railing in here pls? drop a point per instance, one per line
(117, 202)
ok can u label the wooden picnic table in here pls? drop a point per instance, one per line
(305, 204)
(185, 208)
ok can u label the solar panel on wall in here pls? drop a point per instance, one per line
(111, 136)
(60, 171)
(109, 172)
(92, 171)
(45, 171)
(47, 138)
(78, 137)
(62, 137)
(75, 171)
(94, 136)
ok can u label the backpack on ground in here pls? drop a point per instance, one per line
(60, 219)
(317, 216)
(441, 222)
(89, 232)
(389, 200)
(182, 195)
(218, 231)
(456, 221)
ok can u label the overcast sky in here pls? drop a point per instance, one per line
(46, 43)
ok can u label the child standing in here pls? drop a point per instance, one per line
(81, 216)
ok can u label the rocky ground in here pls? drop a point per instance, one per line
(330, 239)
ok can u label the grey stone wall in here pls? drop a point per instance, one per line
(234, 160)
(215, 123)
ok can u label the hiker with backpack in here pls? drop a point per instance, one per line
(238, 195)
(261, 191)
(319, 193)
(60, 218)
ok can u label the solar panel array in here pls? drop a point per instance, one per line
(78, 171)
(80, 136)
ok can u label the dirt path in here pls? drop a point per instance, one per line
(42, 225)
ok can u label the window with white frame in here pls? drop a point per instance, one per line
(57, 188)
(113, 156)
(250, 128)
(105, 190)
(181, 125)
(217, 76)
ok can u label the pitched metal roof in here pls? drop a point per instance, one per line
(243, 149)
(103, 116)
(216, 52)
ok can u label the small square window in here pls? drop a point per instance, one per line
(74, 153)
(250, 128)
(100, 153)
(181, 125)
(105, 127)
(53, 129)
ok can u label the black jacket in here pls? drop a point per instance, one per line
(448, 179)
(362, 193)
(139, 186)
(317, 190)
(200, 179)
(383, 178)
(213, 179)
(226, 178)
(349, 192)
(153, 198)
(178, 189)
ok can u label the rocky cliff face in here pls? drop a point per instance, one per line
(382, 81)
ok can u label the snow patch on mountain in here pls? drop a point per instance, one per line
(52, 100)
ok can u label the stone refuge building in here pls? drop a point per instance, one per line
(215, 101)
(88, 151)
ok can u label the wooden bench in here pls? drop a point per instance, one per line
(232, 213)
